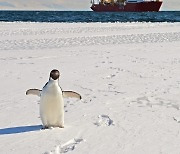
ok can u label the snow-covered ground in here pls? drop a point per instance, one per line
(127, 73)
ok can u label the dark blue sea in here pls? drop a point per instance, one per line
(89, 16)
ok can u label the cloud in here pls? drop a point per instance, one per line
(45, 4)
(30, 4)
(6, 4)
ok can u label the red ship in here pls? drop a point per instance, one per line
(126, 5)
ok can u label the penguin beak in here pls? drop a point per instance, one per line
(55, 78)
(52, 79)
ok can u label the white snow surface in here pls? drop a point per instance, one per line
(127, 73)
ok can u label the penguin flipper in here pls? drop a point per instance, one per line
(36, 92)
(71, 94)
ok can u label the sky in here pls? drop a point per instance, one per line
(67, 5)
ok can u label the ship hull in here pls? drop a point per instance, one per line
(151, 6)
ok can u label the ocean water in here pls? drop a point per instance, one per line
(89, 16)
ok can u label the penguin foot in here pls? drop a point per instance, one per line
(44, 127)
(61, 126)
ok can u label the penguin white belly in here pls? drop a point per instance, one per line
(52, 107)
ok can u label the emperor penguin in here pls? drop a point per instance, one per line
(51, 101)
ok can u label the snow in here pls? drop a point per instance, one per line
(127, 74)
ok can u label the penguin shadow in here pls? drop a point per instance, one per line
(20, 129)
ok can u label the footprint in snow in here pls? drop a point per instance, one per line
(66, 147)
(104, 120)
(70, 145)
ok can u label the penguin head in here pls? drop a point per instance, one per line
(54, 74)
